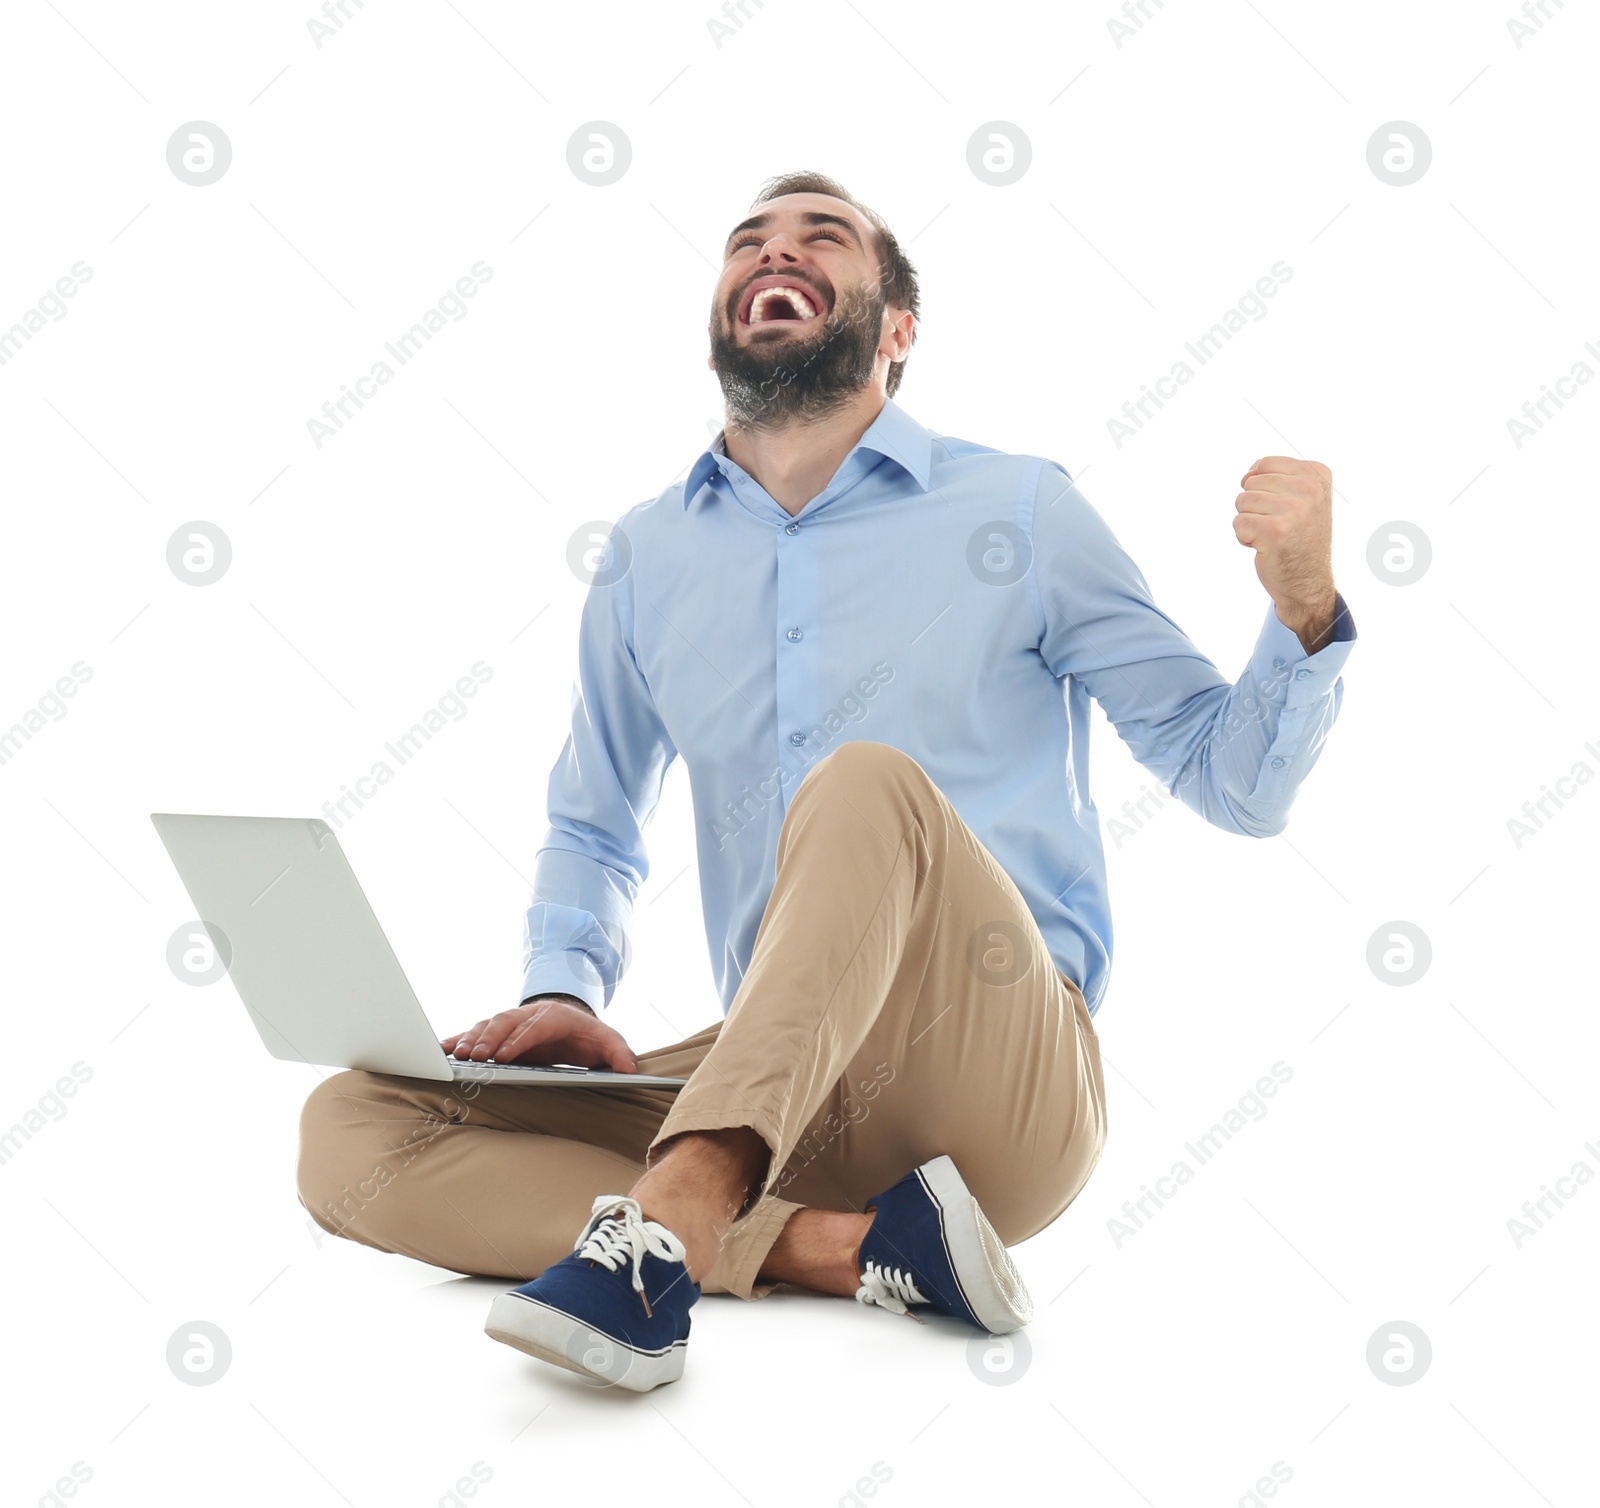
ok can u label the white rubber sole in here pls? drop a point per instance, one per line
(990, 1282)
(558, 1338)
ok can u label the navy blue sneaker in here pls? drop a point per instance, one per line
(930, 1244)
(590, 1314)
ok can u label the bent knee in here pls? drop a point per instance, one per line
(334, 1094)
(863, 761)
(1019, 1208)
(340, 1147)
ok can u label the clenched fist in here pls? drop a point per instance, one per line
(1285, 514)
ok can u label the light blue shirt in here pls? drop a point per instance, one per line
(957, 602)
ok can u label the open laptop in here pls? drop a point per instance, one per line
(305, 952)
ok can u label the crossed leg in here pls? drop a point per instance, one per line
(900, 1003)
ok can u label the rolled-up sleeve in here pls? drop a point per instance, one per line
(603, 791)
(1234, 753)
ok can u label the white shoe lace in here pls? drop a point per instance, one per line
(889, 1288)
(618, 1232)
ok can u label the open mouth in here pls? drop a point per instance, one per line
(778, 302)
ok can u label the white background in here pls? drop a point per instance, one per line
(1167, 175)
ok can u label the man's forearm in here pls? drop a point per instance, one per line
(1312, 624)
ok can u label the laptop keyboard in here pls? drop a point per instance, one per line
(460, 1066)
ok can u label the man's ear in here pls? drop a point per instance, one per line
(903, 324)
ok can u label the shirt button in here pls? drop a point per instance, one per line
(1302, 675)
(795, 636)
(791, 528)
(797, 739)
(1277, 763)
(1278, 663)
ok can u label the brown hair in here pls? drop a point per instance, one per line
(897, 277)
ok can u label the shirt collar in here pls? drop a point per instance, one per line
(894, 434)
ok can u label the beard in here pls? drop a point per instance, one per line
(768, 384)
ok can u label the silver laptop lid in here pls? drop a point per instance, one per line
(303, 948)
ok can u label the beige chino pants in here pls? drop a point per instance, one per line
(900, 1003)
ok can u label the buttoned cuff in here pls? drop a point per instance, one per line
(1306, 691)
(1281, 668)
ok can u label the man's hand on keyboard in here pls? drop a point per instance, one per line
(546, 1029)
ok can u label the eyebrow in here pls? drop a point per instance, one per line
(808, 217)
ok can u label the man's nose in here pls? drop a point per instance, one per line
(778, 248)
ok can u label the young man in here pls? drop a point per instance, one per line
(874, 648)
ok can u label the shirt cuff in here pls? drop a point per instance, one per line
(567, 950)
(1280, 665)
(567, 973)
